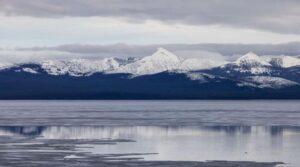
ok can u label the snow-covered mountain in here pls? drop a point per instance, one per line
(162, 60)
(79, 67)
(162, 71)
(251, 60)
(249, 63)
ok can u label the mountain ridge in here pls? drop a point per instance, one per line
(162, 60)
(159, 76)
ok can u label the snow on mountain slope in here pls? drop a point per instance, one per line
(79, 67)
(5, 65)
(30, 70)
(251, 60)
(250, 63)
(161, 60)
(192, 64)
(201, 77)
(267, 82)
(164, 60)
(282, 61)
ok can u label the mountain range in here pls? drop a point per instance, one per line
(162, 75)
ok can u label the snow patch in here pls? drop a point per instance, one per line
(269, 82)
(202, 77)
(253, 70)
(30, 70)
(72, 157)
(5, 65)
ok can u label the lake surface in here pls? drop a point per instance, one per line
(263, 131)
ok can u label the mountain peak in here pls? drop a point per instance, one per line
(251, 59)
(161, 60)
(162, 53)
(251, 55)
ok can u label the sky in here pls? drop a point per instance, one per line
(111, 24)
(55, 22)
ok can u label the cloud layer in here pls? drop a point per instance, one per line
(203, 51)
(272, 15)
(124, 50)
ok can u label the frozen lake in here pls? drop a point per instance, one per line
(263, 131)
(147, 113)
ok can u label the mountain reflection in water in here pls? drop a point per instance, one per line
(180, 143)
(130, 132)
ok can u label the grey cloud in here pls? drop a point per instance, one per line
(205, 51)
(271, 15)
(31, 56)
(117, 50)
(123, 50)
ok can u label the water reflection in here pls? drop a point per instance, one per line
(124, 132)
(249, 143)
(22, 130)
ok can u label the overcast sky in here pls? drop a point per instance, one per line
(30, 23)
